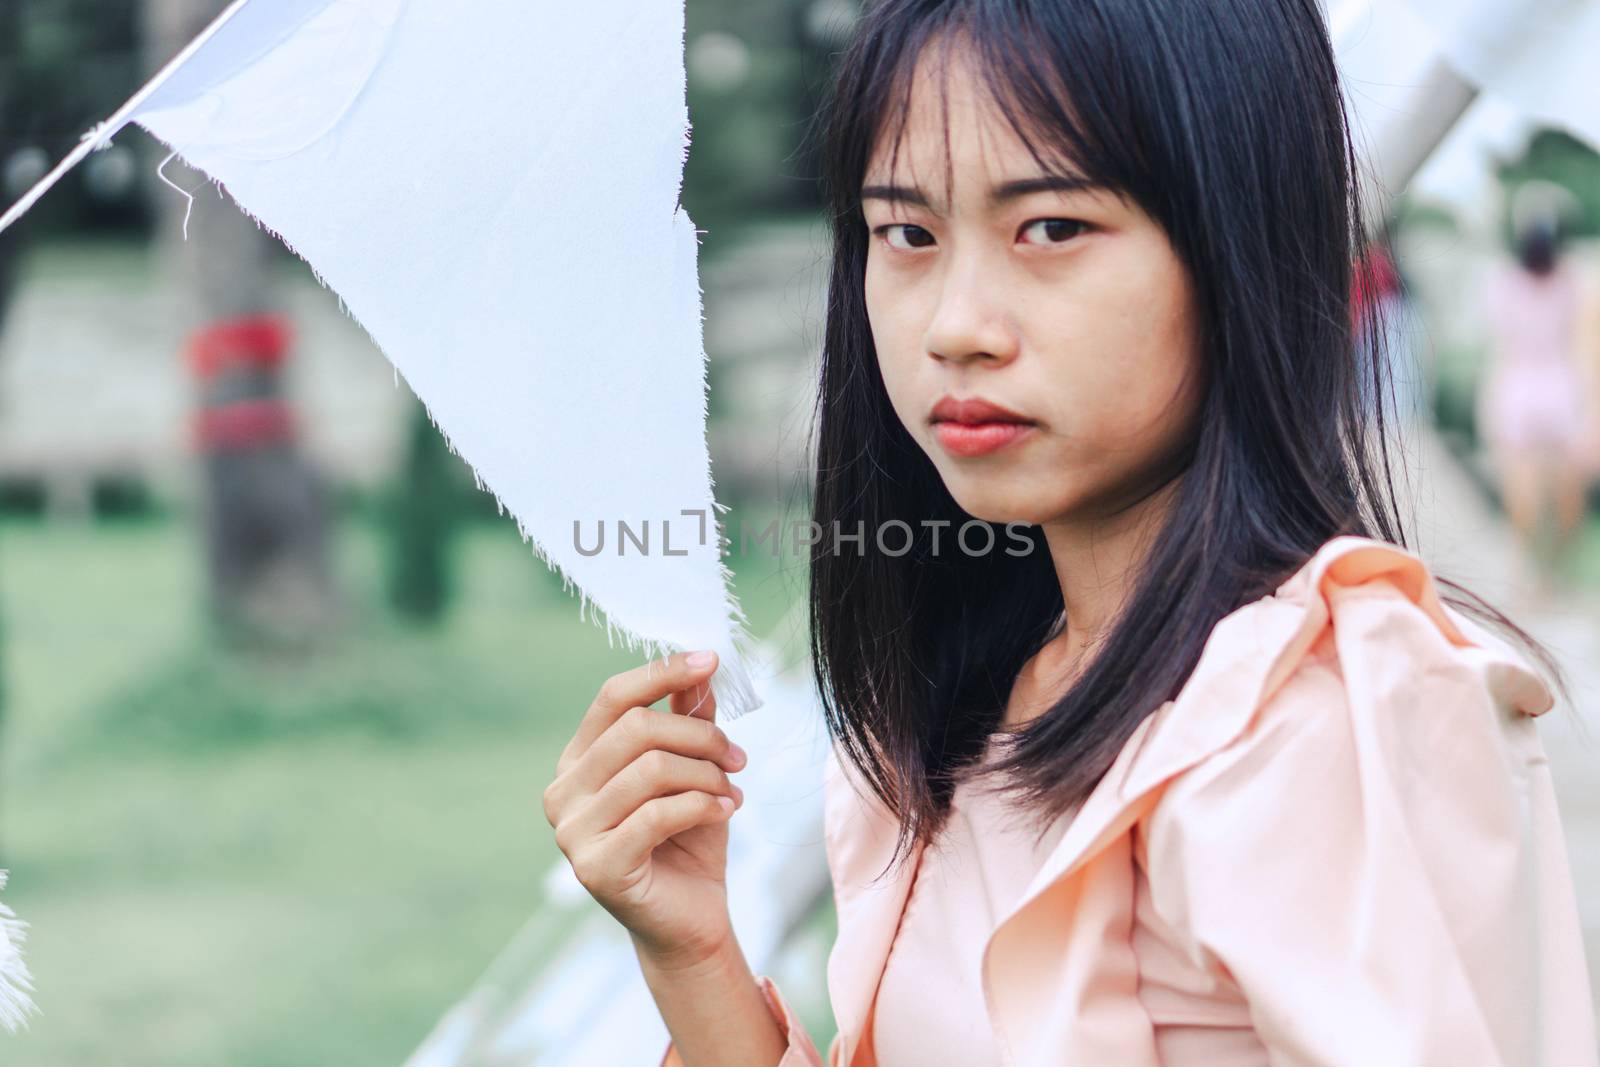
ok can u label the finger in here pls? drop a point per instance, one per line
(636, 733)
(640, 687)
(657, 773)
(699, 701)
(640, 833)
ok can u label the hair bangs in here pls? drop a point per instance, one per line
(1072, 117)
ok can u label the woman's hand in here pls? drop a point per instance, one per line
(635, 806)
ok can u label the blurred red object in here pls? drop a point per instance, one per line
(1375, 277)
(238, 363)
(259, 341)
(244, 424)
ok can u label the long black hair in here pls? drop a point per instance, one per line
(1223, 121)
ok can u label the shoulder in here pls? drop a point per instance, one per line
(1375, 640)
(1356, 677)
(1373, 852)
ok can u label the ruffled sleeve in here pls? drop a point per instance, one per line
(1377, 859)
(801, 1050)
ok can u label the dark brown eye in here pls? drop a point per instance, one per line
(1055, 231)
(913, 237)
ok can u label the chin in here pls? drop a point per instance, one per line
(1033, 494)
(989, 503)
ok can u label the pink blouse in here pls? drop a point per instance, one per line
(1338, 846)
(963, 887)
(984, 858)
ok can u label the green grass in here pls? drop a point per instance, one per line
(227, 862)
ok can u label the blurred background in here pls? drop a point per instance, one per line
(279, 688)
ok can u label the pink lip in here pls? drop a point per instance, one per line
(972, 410)
(976, 427)
(978, 438)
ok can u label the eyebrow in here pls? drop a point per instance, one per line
(999, 194)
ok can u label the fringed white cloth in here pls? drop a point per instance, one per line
(16, 985)
(492, 190)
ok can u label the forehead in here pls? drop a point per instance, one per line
(944, 128)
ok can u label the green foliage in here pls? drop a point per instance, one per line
(1410, 213)
(1556, 156)
(424, 505)
(1456, 373)
(1586, 555)
(745, 155)
(65, 65)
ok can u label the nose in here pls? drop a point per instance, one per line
(972, 323)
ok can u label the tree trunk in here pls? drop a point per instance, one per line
(266, 513)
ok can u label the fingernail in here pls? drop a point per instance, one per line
(701, 659)
(726, 802)
(739, 755)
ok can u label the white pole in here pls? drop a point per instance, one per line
(1402, 94)
(101, 134)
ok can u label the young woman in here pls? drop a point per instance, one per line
(1188, 763)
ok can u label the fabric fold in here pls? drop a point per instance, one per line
(1376, 860)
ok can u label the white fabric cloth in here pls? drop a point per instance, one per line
(15, 982)
(492, 191)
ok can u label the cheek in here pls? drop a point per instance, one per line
(892, 312)
(896, 332)
(878, 305)
(1136, 353)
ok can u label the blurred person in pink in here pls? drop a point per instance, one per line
(1533, 407)
(1151, 742)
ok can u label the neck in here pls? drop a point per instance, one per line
(1097, 560)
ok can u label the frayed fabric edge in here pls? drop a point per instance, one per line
(16, 985)
(732, 684)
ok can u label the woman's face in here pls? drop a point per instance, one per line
(1066, 306)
